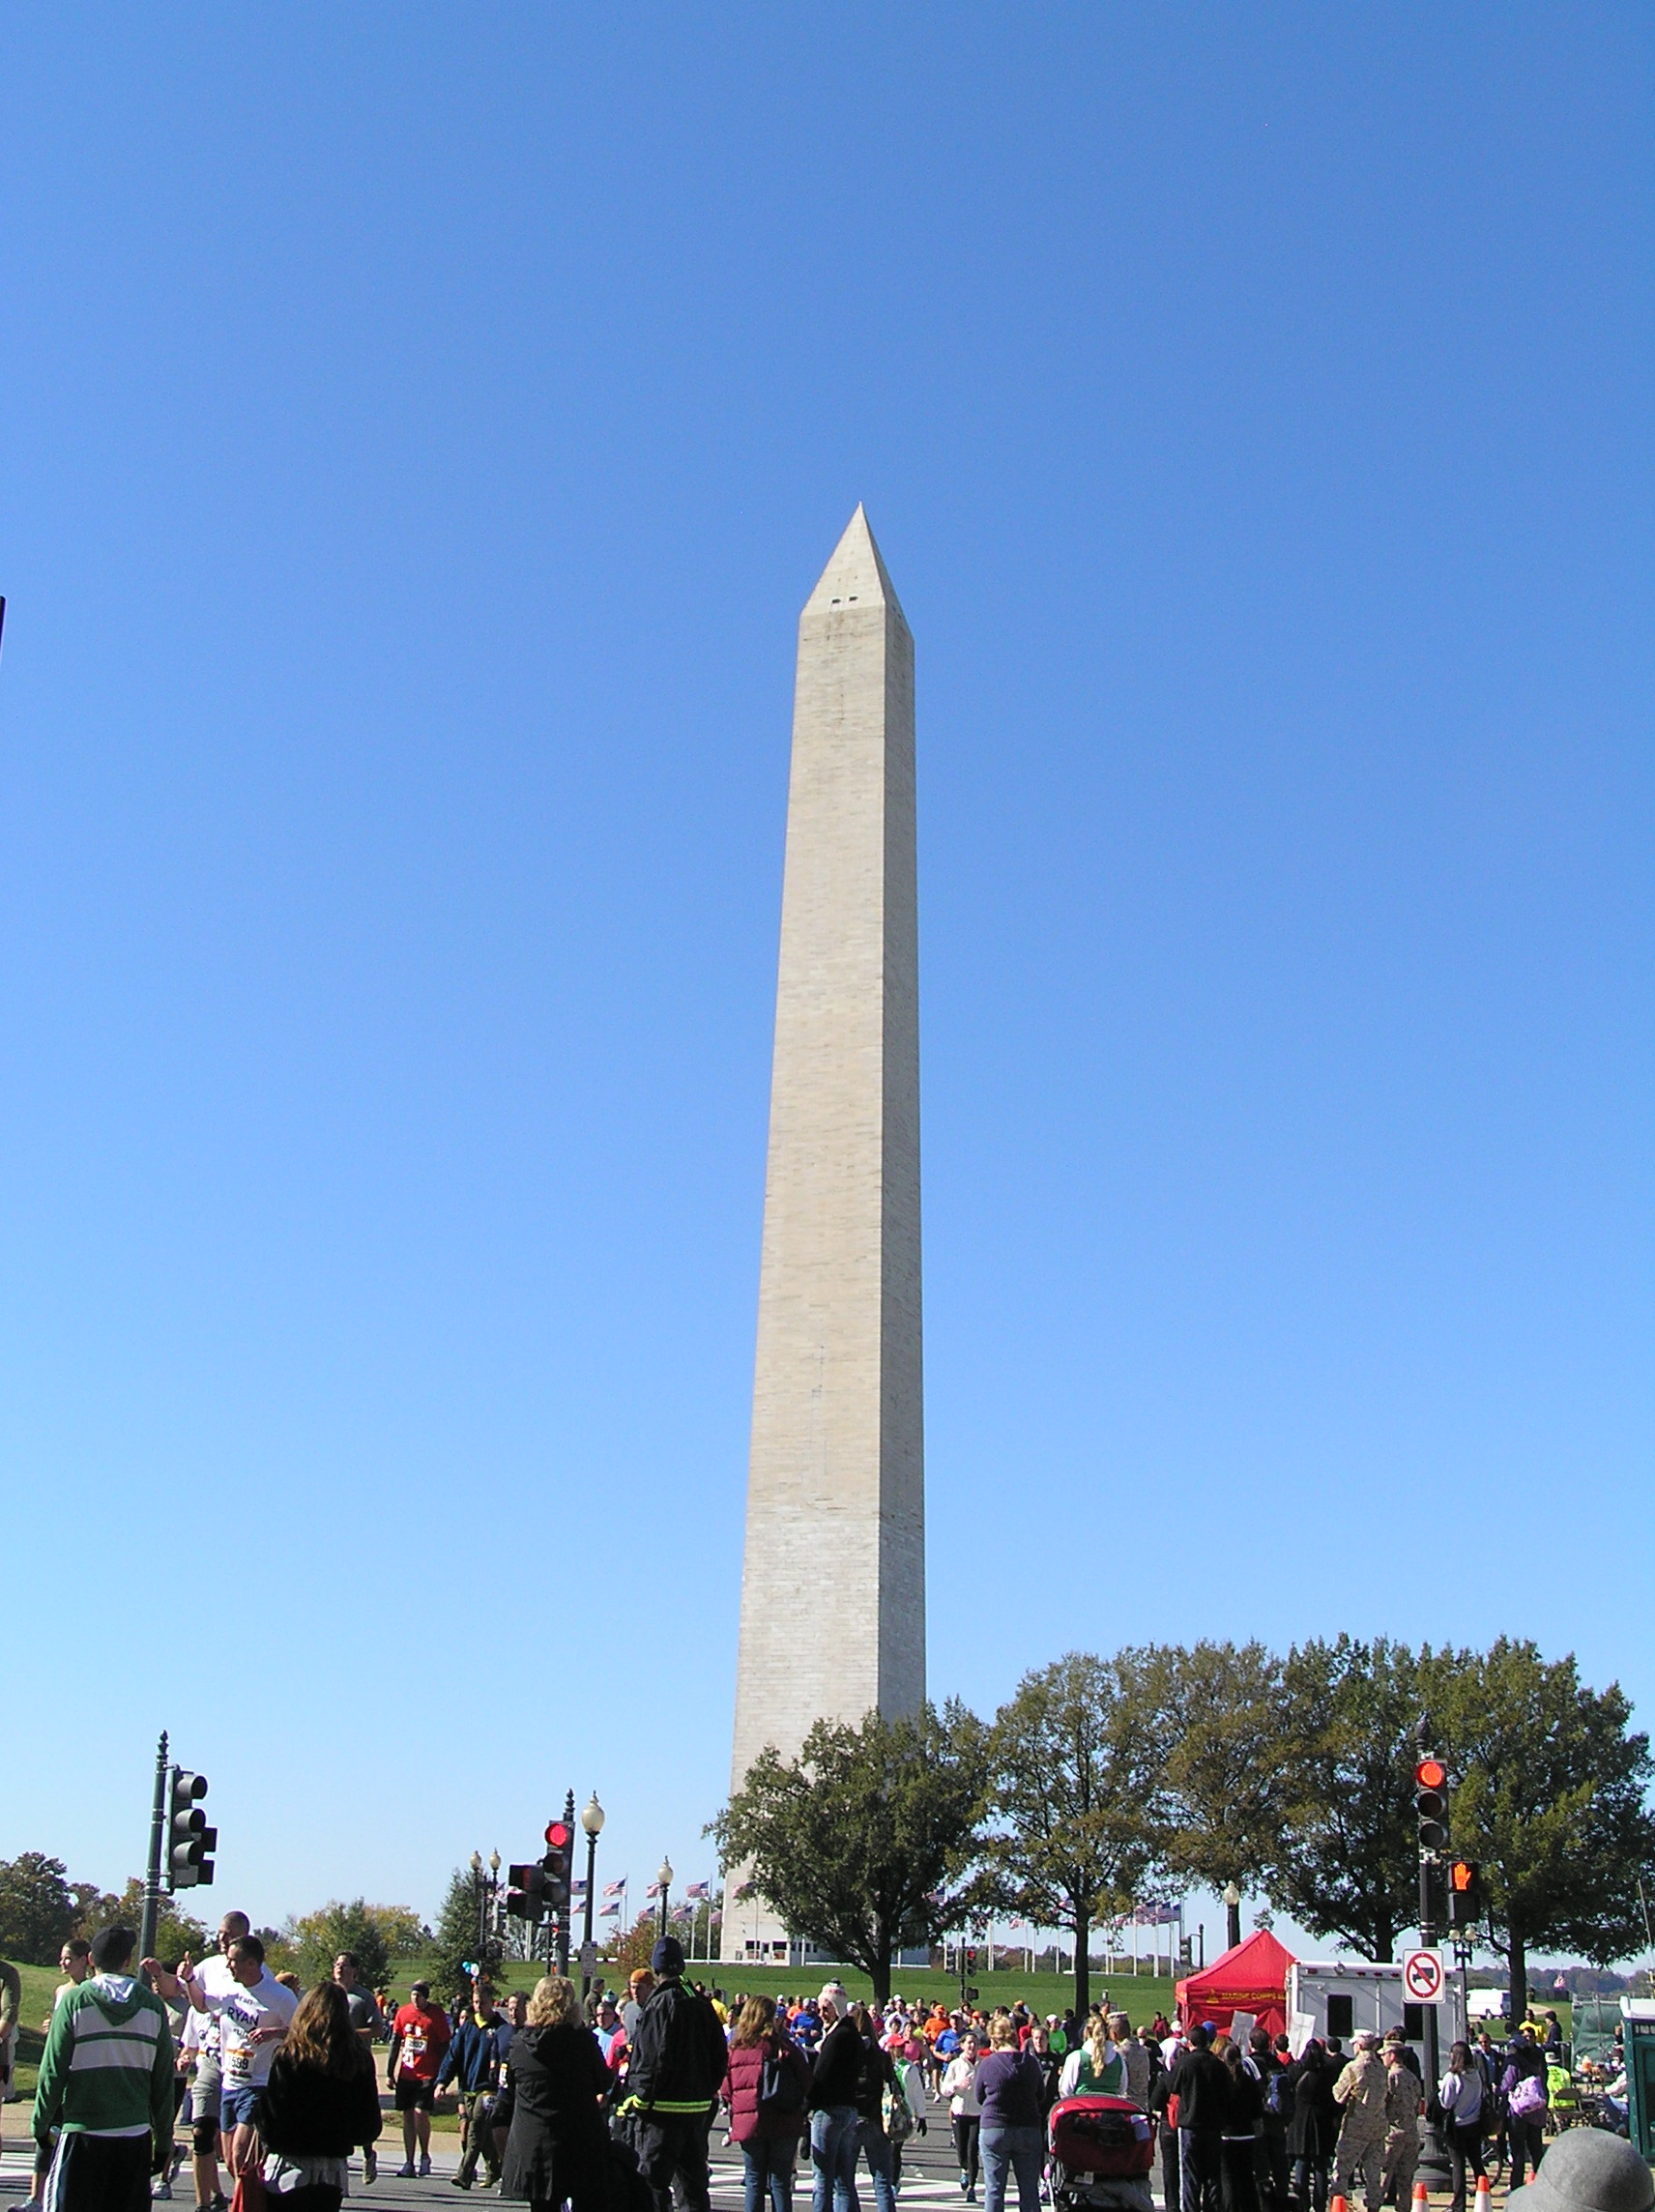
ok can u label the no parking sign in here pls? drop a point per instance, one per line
(1422, 1976)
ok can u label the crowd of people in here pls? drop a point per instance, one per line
(608, 2103)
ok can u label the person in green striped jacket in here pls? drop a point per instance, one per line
(105, 2087)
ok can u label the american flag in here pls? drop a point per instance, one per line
(654, 1890)
(616, 1888)
(698, 1889)
(610, 1911)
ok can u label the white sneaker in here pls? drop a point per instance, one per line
(424, 2168)
(162, 2193)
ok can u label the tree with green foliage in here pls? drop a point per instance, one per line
(177, 1933)
(457, 1927)
(1347, 1861)
(37, 1907)
(1076, 1831)
(857, 1843)
(1548, 1788)
(368, 1931)
(1222, 1724)
(632, 1950)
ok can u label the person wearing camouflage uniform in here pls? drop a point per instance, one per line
(1405, 2100)
(1362, 2090)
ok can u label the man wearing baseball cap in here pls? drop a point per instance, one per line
(418, 2037)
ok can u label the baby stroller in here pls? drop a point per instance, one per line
(1101, 2152)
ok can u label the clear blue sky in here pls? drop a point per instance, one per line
(422, 428)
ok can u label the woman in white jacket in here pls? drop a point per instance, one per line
(959, 2084)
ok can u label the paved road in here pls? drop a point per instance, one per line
(930, 2181)
(930, 2178)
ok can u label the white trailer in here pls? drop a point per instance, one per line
(1338, 1997)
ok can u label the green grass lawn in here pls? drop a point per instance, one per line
(39, 1983)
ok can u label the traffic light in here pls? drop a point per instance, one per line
(1465, 1893)
(1431, 1803)
(526, 1892)
(190, 1842)
(559, 1847)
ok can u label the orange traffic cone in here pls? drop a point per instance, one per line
(1482, 2193)
(1420, 2195)
(1338, 2205)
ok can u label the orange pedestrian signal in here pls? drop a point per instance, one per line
(1465, 1893)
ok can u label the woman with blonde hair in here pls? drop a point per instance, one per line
(1097, 2068)
(556, 2141)
(1011, 2135)
(766, 2090)
(320, 2102)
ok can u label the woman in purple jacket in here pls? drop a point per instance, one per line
(762, 2054)
(1010, 2090)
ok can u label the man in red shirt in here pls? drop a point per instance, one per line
(418, 2037)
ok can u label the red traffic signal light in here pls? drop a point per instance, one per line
(556, 1862)
(1431, 1802)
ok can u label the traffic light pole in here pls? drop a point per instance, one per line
(564, 1915)
(1433, 2164)
(152, 1880)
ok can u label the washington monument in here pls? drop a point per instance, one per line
(833, 1577)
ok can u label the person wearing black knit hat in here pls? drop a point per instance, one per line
(677, 2066)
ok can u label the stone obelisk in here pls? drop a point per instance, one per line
(833, 1577)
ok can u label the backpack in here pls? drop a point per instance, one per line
(781, 2093)
(1278, 2095)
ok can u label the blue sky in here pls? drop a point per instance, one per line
(422, 428)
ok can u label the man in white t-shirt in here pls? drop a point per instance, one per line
(199, 2045)
(252, 2020)
(214, 1976)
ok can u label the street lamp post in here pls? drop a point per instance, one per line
(1232, 1909)
(664, 1875)
(592, 1820)
(482, 1897)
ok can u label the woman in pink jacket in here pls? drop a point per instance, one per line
(764, 2090)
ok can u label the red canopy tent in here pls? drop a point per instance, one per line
(1252, 1978)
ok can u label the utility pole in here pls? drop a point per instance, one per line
(152, 1879)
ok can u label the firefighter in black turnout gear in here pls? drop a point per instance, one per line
(673, 2081)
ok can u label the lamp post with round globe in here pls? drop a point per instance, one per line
(592, 1820)
(1232, 1908)
(663, 1877)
